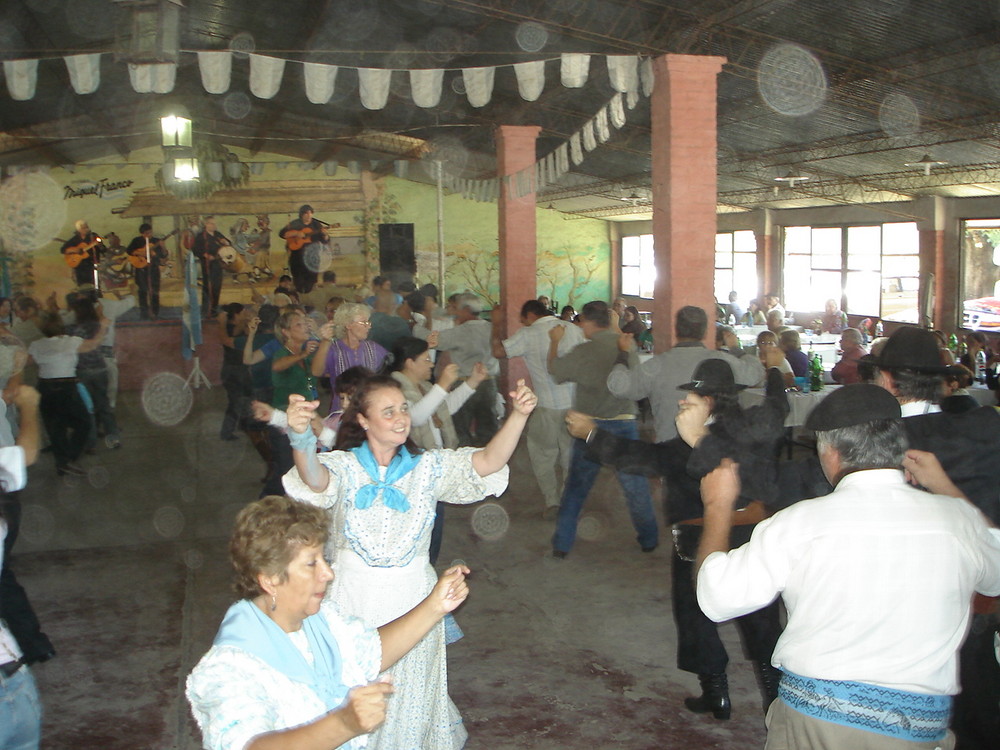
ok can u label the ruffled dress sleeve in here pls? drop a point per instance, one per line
(456, 481)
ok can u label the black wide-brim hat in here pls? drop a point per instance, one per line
(712, 376)
(853, 404)
(912, 348)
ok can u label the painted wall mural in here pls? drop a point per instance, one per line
(38, 208)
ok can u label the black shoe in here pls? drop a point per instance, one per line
(714, 696)
(558, 554)
(71, 470)
(39, 657)
(650, 549)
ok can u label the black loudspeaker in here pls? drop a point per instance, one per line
(396, 257)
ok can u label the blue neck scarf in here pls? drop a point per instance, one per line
(401, 465)
(247, 628)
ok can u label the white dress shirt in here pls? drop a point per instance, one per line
(532, 343)
(877, 578)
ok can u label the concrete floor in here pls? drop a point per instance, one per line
(127, 570)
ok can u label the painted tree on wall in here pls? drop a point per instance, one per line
(468, 267)
(565, 274)
(383, 208)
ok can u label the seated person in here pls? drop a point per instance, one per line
(726, 340)
(845, 371)
(770, 355)
(834, 320)
(754, 316)
(791, 345)
(280, 671)
(775, 321)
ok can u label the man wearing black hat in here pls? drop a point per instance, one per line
(298, 234)
(876, 577)
(968, 446)
(711, 425)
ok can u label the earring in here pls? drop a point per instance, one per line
(274, 602)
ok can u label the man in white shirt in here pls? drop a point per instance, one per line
(469, 342)
(549, 442)
(877, 578)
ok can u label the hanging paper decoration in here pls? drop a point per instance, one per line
(84, 72)
(601, 127)
(623, 72)
(216, 68)
(646, 76)
(575, 150)
(21, 78)
(374, 87)
(425, 87)
(574, 69)
(265, 75)
(562, 159)
(319, 81)
(155, 78)
(478, 85)
(631, 98)
(616, 109)
(530, 79)
(589, 141)
(330, 168)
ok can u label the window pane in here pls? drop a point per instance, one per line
(900, 265)
(980, 273)
(724, 242)
(724, 260)
(862, 289)
(825, 285)
(797, 279)
(798, 240)
(864, 248)
(630, 251)
(744, 277)
(826, 247)
(902, 238)
(745, 241)
(647, 280)
(723, 284)
(630, 280)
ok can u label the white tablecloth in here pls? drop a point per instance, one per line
(800, 404)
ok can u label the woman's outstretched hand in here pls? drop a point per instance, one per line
(300, 412)
(523, 399)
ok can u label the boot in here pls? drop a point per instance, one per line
(714, 697)
(768, 678)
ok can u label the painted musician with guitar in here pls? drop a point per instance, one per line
(206, 247)
(298, 234)
(81, 252)
(147, 253)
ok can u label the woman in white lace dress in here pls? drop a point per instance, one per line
(286, 669)
(381, 491)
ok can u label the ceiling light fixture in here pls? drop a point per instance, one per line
(925, 163)
(793, 177)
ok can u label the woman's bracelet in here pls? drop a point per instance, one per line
(303, 441)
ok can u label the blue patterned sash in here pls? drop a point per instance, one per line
(915, 717)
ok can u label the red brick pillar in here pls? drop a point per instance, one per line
(516, 217)
(683, 117)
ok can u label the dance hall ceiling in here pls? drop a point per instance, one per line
(871, 100)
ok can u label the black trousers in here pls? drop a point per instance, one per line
(65, 417)
(236, 381)
(302, 277)
(699, 648)
(476, 421)
(148, 282)
(84, 273)
(211, 287)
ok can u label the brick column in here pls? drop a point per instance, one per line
(683, 118)
(516, 217)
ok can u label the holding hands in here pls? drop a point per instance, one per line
(432, 339)
(300, 412)
(448, 377)
(524, 399)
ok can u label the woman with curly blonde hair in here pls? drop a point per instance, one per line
(348, 347)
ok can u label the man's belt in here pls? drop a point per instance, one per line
(687, 534)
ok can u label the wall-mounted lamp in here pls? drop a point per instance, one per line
(175, 131)
(186, 169)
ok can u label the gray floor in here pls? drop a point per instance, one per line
(127, 571)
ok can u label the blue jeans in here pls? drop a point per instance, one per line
(20, 712)
(583, 472)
